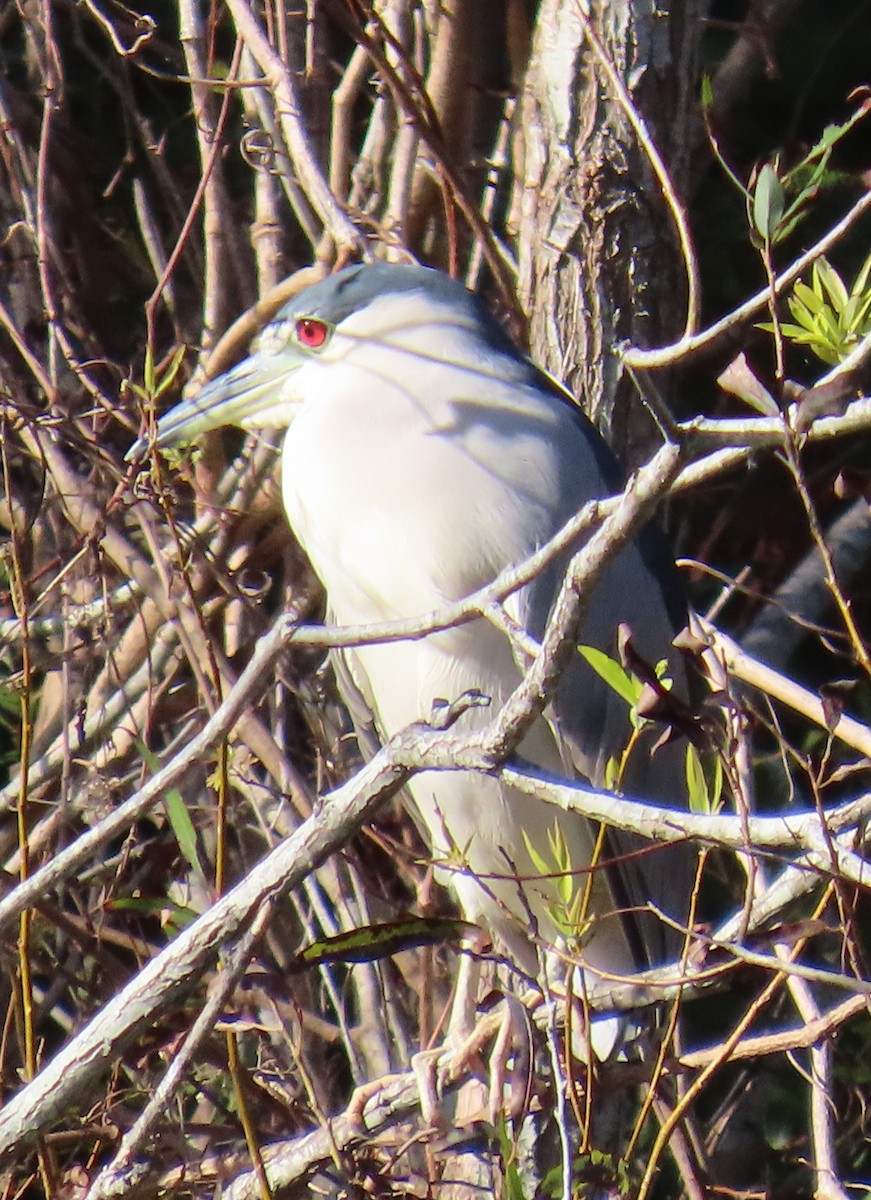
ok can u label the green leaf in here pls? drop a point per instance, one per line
(831, 281)
(861, 281)
(863, 307)
(562, 863)
(382, 940)
(829, 327)
(795, 333)
(829, 137)
(616, 677)
(704, 788)
(824, 352)
(567, 911)
(127, 385)
(811, 299)
(173, 917)
(768, 203)
(171, 373)
(805, 319)
(537, 859)
(512, 1181)
(183, 828)
(179, 818)
(697, 788)
(850, 312)
(148, 371)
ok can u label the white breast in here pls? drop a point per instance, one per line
(410, 508)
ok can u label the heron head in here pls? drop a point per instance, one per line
(376, 318)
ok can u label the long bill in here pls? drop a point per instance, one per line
(255, 394)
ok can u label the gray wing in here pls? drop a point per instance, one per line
(592, 725)
(353, 688)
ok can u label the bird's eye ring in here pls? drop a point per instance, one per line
(312, 333)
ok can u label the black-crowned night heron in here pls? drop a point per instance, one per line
(424, 453)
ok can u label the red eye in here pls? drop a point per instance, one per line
(311, 332)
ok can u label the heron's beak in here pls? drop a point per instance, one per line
(255, 394)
